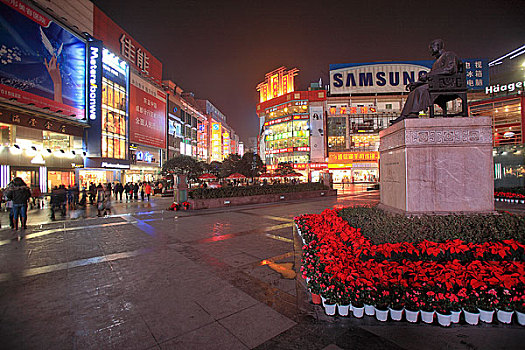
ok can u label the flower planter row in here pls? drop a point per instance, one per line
(445, 320)
(331, 258)
(509, 195)
(510, 200)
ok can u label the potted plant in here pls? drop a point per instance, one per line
(185, 205)
(488, 298)
(343, 302)
(505, 307)
(469, 305)
(382, 300)
(315, 290)
(369, 296)
(427, 306)
(397, 303)
(358, 306)
(443, 305)
(412, 305)
(519, 307)
(329, 300)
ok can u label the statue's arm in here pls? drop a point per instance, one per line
(449, 67)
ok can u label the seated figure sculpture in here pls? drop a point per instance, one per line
(446, 64)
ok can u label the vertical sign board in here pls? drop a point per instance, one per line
(41, 63)
(316, 134)
(147, 125)
(94, 97)
(216, 144)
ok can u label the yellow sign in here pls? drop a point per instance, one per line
(350, 157)
(277, 83)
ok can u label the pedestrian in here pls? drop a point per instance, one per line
(142, 191)
(136, 191)
(35, 196)
(101, 198)
(19, 194)
(9, 205)
(147, 189)
(128, 191)
(92, 192)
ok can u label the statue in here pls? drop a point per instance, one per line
(446, 64)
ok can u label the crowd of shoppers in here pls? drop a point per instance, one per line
(17, 196)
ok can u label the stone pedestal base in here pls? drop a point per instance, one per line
(437, 166)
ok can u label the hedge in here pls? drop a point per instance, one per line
(382, 227)
(242, 191)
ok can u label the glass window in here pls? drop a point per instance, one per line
(114, 120)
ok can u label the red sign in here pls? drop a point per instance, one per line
(119, 42)
(147, 120)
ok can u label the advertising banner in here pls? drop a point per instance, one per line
(41, 63)
(316, 133)
(351, 157)
(147, 124)
(94, 100)
(392, 77)
(118, 41)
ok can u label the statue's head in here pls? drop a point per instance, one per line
(436, 47)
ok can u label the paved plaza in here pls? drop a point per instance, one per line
(147, 278)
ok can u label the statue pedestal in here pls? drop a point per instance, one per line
(437, 166)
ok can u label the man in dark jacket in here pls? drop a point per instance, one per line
(127, 189)
(19, 194)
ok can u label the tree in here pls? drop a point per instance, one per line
(250, 165)
(230, 165)
(284, 169)
(213, 168)
(185, 165)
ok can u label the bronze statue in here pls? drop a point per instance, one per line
(447, 63)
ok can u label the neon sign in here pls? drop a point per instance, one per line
(277, 83)
(95, 81)
(144, 156)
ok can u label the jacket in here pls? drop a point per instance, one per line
(19, 194)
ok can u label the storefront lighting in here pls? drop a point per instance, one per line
(16, 150)
(73, 152)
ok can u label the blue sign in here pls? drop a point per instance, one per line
(41, 62)
(144, 156)
(94, 98)
(477, 71)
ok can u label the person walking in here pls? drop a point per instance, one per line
(128, 190)
(142, 191)
(101, 199)
(92, 192)
(147, 190)
(19, 194)
(136, 191)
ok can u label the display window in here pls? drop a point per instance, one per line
(506, 119)
(114, 117)
(57, 178)
(95, 176)
(29, 176)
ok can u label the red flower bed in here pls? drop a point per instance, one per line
(342, 264)
(508, 195)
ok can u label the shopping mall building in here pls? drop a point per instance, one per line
(363, 98)
(291, 124)
(504, 101)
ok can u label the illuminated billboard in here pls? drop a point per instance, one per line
(277, 83)
(216, 142)
(41, 63)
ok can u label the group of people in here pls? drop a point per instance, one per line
(17, 197)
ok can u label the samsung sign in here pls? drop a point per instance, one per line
(381, 77)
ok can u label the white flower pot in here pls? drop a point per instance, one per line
(504, 316)
(427, 316)
(522, 201)
(471, 318)
(369, 310)
(396, 315)
(455, 316)
(521, 318)
(329, 309)
(343, 309)
(323, 299)
(411, 315)
(486, 315)
(381, 315)
(444, 320)
(358, 311)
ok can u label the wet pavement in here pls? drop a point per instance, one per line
(146, 278)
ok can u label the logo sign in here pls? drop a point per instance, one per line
(511, 87)
(144, 156)
(95, 80)
(392, 77)
(350, 157)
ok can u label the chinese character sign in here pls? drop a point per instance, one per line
(147, 113)
(477, 71)
(118, 41)
(41, 63)
(351, 157)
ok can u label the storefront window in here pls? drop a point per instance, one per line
(113, 120)
(5, 134)
(55, 141)
(506, 118)
(57, 178)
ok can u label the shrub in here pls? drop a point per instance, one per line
(381, 227)
(242, 191)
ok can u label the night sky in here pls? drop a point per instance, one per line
(220, 50)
